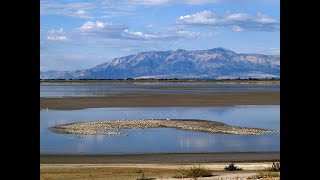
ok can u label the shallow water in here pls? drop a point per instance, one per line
(165, 139)
(73, 89)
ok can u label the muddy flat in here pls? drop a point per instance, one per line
(163, 100)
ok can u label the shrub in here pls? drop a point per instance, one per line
(232, 167)
(194, 172)
(275, 167)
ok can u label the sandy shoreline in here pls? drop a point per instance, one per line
(250, 170)
(150, 171)
(163, 100)
(162, 158)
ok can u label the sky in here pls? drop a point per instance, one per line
(80, 34)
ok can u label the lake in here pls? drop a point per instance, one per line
(162, 140)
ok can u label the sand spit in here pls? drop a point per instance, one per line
(114, 127)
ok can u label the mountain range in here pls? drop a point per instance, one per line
(215, 63)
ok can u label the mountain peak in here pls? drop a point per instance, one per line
(178, 50)
(221, 49)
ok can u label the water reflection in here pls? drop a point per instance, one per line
(165, 139)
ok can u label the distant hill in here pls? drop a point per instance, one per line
(213, 63)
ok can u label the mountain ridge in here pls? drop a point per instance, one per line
(179, 63)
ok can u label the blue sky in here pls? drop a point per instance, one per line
(79, 34)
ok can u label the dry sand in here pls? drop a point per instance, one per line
(163, 100)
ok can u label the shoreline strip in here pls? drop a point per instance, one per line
(161, 158)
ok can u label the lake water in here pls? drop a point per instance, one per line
(162, 140)
(72, 89)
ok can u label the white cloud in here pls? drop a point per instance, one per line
(162, 2)
(188, 34)
(237, 21)
(73, 5)
(106, 9)
(128, 49)
(141, 35)
(107, 30)
(78, 13)
(264, 19)
(81, 12)
(169, 35)
(53, 31)
(86, 10)
(238, 16)
(149, 26)
(203, 17)
(56, 35)
(89, 25)
(57, 38)
(237, 29)
(100, 30)
(275, 51)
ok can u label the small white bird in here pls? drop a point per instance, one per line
(168, 119)
(122, 118)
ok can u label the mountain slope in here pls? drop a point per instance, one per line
(179, 63)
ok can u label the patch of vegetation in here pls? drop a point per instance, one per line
(232, 167)
(194, 172)
(275, 167)
(139, 171)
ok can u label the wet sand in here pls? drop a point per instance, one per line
(162, 158)
(163, 100)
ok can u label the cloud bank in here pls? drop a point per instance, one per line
(236, 21)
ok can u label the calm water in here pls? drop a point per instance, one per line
(161, 140)
(69, 89)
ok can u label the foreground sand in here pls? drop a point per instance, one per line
(135, 171)
(163, 100)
